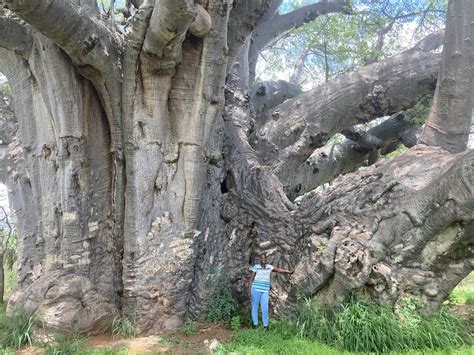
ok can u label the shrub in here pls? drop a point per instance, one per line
(16, 330)
(223, 306)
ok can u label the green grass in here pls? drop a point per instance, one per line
(280, 339)
(357, 327)
(464, 292)
(124, 328)
(190, 328)
(15, 331)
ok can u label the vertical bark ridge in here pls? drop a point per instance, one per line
(449, 121)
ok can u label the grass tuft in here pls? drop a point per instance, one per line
(124, 328)
(15, 331)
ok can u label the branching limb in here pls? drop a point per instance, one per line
(86, 40)
(244, 17)
(298, 126)
(15, 35)
(279, 24)
(330, 161)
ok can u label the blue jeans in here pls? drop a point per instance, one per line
(262, 299)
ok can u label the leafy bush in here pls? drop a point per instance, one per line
(15, 331)
(124, 328)
(223, 306)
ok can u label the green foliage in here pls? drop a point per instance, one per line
(190, 328)
(224, 305)
(365, 327)
(6, 89)
(124, 328)
(235, 323)
(280, 339)
(357, 326)
(336, 43)
(15, 331)
(464, 292)
(401, 149)
(417, 114)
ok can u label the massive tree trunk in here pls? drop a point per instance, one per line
(136, 187)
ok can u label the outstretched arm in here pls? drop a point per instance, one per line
(283, 271)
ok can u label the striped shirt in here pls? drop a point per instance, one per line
(261, 282)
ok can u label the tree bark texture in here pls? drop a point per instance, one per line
(141, 174)
(451, 113)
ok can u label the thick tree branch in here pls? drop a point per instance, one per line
(169, 23)
(86, 40)
(279, 24)
(300, 125)
(268, 94)
(330, 161)
(15, 36)
(243, 20)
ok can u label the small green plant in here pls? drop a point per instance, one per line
(190, 328)
(224, 306)
(124, 328)
(16, 330)
(235, 323)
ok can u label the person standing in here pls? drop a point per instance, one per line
(259, 289)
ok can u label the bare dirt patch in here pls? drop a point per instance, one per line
(175, 342)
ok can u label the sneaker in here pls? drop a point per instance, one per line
(265, 328)
(255, 326)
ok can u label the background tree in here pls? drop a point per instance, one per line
(147, 165)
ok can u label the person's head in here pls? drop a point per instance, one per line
(263, 259)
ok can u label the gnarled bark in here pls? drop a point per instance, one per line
(148, 239)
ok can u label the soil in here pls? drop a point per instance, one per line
(168, 343)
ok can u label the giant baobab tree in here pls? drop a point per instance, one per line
(142, 170)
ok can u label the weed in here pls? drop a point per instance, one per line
(124, 328)
(16, 330)
(190, 328)
(235, 323)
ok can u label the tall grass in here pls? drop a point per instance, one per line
(365, 327)
(15, 331)
(359, 327)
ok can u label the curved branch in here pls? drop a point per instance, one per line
(300, 125)
(279, 24)
(15, 36)
(86, 40)
(244, 17)
(330, 161)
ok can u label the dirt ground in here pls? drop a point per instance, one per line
(167, 343)
(175, 343)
